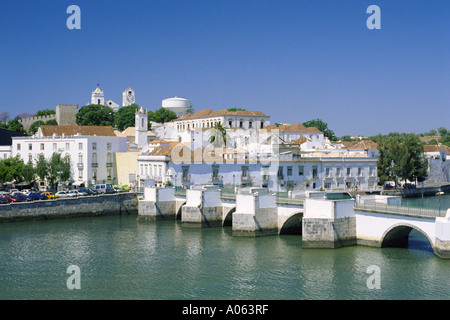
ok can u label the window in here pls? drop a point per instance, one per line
(280, 173)
(30, 146)
(109, 174)
(327, 185)
(94, 158)
(262, 124)
(80, 146)
(289, 171)
(338, 172)
(18, 146)
(54, 147)
(230, 123)
(348, 172)
(300, 170)
(314, 172)
(94, 174)
(215, 172)
(94, 145)
(80, 158)
(244, 174)
(250, 124)
(67, 146)
(30, 158)
(359, 172)
(80, 174)
(185, 175)
(241, 123)
(109, 157)
(371, 171)
(327, 172)
(42, 146)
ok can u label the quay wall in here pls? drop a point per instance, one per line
(89, 206)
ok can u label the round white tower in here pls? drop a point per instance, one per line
(177, 105)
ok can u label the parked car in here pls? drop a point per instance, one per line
(103, 188)
(36, 196)
(87, 191)
(62, 194)
(76, 193)
(41, 193)
(388, 186)
(409, 186)
(3, 200)
(50, 195)
(21, 196)
(10, 198)
(25, 191)
(117, 189)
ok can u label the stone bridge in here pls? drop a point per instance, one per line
(322, 223)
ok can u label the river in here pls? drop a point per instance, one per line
(121, 258)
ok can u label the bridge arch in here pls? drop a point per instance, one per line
(228, 217)
(397, 235)
(178, 211)
(293, 224)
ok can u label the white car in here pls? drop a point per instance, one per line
(62, 194)
(76, 193)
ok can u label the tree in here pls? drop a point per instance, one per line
(11, 169)
(161, 115)
(95, 115)
(190, 109)
(29, 173)
(45, 112)
(322, 126)
(235, 109)
(35, 126)
(15, 125)
(218, 135)
(4, 116)
(442, 131)
(41, 167)
(125, 117)
(58, 170)
(401, 158)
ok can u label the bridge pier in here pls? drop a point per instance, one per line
(328, 223)
(255, 215)
(442, 233)
(158, 204)
(203, 208)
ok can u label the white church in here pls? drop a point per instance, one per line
(128, 98)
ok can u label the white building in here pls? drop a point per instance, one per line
(438, 157)
(97, 97)
(286, 171)
(177, 105)
(91, 150)
(128, 97)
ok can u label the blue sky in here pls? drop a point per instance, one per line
(294, 60)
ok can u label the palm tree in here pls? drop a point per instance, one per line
(218, 135)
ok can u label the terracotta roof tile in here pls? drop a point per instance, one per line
(70, 130)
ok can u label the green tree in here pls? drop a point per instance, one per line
(401, 158)
(190, 109)
(445, 139)
(161, 115)
(218, 136)
(125, 117)
(41, 167)
(11, 169)
(95, 115)
(58, 170)
(35, 126)
(235, 109)
(29, 173)
(442, 131)
(15, 125)
(45, 112)
(322, 126)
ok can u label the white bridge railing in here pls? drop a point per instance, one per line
(401, 210)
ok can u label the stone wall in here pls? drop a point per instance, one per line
(90, 206)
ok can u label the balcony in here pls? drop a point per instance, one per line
(109, 164)
(94, 164)
(186, 177)
(80, 165)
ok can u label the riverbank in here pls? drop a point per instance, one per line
(427, 191)
(89, 206)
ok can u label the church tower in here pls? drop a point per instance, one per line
(128, 97)
(98, 97)
(141, 127)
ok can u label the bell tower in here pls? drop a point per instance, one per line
(128, 97)
(141, 127)
(97, 96)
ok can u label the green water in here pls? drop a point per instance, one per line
(121, 258)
